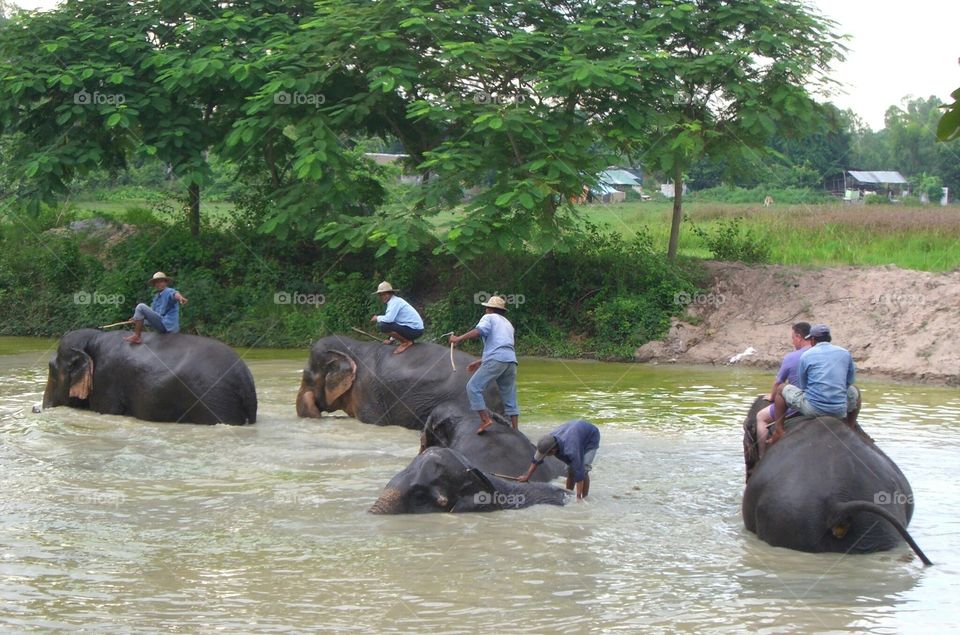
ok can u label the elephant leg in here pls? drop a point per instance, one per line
(307, 404)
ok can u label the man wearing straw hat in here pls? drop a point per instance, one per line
(163, 315)
(498, 363)
(400, 321)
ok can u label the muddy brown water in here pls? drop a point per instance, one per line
(109, 524)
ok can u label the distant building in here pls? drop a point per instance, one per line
(386, 158)
(855, 184)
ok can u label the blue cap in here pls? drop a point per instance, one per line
(817, 331)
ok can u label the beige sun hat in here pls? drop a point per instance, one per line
(384, 287)
(495, 302)
(159, 276)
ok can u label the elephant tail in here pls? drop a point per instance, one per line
(873, 508)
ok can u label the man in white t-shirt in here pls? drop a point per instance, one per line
(498, 363)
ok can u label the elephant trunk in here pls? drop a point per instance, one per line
(307, 403)
(388, 503)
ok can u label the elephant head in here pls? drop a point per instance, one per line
(441, 480)
(327, 384)
(71, 371)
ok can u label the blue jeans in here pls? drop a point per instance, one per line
(151, 317)
(505, 374)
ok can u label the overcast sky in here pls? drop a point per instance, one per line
(897, 48)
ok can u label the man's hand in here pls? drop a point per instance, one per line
(179, 298)
(777, 433)
(373, 319)
(523, 479)
(455, 339)
(473, 366)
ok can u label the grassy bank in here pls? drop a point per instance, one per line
(925, 237)
(602, 299)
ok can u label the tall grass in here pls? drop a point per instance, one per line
(925, 238)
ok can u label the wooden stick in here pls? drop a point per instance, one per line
(371, 335)
(509, 478)
(110, 326)
(452, 363)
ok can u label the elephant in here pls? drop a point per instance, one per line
(170, 377)
(371, 384)
(826, 487)
(443, 480)
(501, 449)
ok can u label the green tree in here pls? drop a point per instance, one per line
(732, 75)
(948, 128)
(95, 84)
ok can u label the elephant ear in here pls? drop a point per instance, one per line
(339, 373)
(81, 375)
(440, 428)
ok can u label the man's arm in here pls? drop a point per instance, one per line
(802, 374)
(851, 372)
(526, 477)
(179, 298)
(390, 315)
(469, 335)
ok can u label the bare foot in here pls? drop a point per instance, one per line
(484, 425)
(403, 346)
(134, 339)
(389, 340)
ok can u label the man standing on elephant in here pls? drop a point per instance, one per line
(400, 321)
(163, 314)
(788, 373)
(824, 383)
(498, 363)
(575, 443)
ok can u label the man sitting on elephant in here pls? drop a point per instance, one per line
(498, 363)
(163, 315)
(575, 443)
(824, 383)
(400, 321)
(788, 373)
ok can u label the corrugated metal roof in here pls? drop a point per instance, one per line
(882, 177)
(602, 188)
(618, 177)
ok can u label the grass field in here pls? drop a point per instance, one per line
(925, 238)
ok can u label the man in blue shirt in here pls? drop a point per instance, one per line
(498, 363)
(788, 373)
(575, 443)
(163, 314)
(400, 321)
(824, 386)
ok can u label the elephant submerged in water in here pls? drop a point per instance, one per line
(171, 377)
(371, 384)
(501, 449)
(443, 480)
(825, 487)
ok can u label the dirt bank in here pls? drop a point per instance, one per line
(897, 323)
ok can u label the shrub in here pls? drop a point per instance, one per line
(729, 241)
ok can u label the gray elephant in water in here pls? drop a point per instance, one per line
(501, 449)
(371, 384)
(825, 487)
(443, 480)
(171, 377)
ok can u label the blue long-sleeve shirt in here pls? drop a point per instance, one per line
(166, 306)
(826, 371)
(400, 312)
(574, 440)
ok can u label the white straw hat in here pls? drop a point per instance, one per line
(495, 302)
(384, 287)
(159, 276)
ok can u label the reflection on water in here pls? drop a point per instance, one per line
(116, 524)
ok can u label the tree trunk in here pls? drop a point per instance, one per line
(677, 212)
(193, 208)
